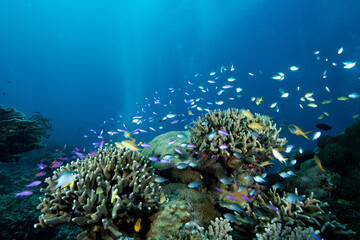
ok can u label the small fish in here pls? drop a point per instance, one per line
(238, 90)
(342, 98)
(211, 135)
(259, 179)
(227, 181)
(290, 173)
(289, 148)
(230, 197)
(279, 77)
(298, 131)
(182, 166)
(42, 166)
(193, 164)
(259, 100)
(194, 184)
(278, 156)
(264, 164)
(236, 207)
(293, 162)
(348, 65)
(316, 135)
(276, 186)
(273, 207)
(137, 225)
(230, 217)
(23, 193)
(273, 104)
(240, 188)
(178, 151)
(218, 189)
(318, 162)
(340, 50)
(222, 132)
(326, 102)
(291, 197)
(99, 190)
(190, 146)
(284, 175)
(354, 95)
(294, 68)
(65, 179)
(255, 126)
(172, 142)
(154, 159)
(163, 198)
(145, 145)
(246, 198)
(33, 184)
(160, 179)
(171, 115)
(223, 146)
(130, 145)
(316, 237)
(248, 114)
(219, 102)
(56, 164)
(313, 105)
(39, 174)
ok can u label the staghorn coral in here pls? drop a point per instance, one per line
(277, 231)
(111, 191)
(294, 211)
(252, 144)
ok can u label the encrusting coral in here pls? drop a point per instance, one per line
(112, 189)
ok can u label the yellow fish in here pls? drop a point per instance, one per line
(127, 135)
(259, 100)
(307, 95)
(99, 190)
(302, 99)
(326, 114)
(190, 112)
(263, 164)
(318, 162)
(326, 102)
(255, 126)
(313, 105)
(163, 198)
(119, 145)
(130, 145)
(137, 225)
(297, 131)
(278, 156)
(248, 114)
(321, 116)
(343, 98)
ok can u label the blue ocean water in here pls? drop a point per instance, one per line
(83, 63)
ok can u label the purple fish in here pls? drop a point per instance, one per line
(223, 146)
(245, 198)
(273, 207)
(142, 130)
(92, 153)
(218, 189)
(172, 142)
(152, 129)
(315, 236)
(154, 159)
(33, 184)
(174, 121)
(41, 166)
(101, 144)
(121, 130)
(178, 151)
(56, 164)
(23, 193)
(222, 132)
(145, 145)
(191, 146)
(39, 174)
(164, 161)
(80, 155)
(230, 197)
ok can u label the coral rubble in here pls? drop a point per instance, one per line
(112, 189)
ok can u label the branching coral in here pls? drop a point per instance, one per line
(289, 210)
(18, 134)
(277, 231)
(111, 191)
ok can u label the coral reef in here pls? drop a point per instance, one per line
(277, 231)
(112, 189)
(19, 135)
(289, 210)
(235, 136)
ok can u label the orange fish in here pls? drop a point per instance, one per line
(318, 162)
(297, 131)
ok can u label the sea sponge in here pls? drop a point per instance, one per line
(112, 190)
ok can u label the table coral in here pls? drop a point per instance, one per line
(112, 190)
